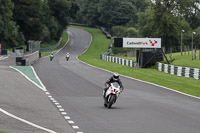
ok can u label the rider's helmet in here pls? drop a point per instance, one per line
(115, 76)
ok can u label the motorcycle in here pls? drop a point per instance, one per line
(51, 57)
(111, 95)
(67, 57)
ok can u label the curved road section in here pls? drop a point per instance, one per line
(142, 108)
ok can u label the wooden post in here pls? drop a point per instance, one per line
(188, 50)
(199, 53)
(181, 50)
(185, 49)
(163, 49)
(171, 51)
(195, 52)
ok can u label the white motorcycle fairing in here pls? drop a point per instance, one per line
(112, 94)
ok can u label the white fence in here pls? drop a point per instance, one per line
(121, 61)
(179, 71)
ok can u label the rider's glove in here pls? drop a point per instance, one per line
(107, 85)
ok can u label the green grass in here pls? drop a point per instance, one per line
(100, 44)
(45, 45)
(64, 41)
(185, 60)
(127, 58)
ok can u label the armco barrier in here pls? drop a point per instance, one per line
(51, 47)
(121, 61)
(179, 71)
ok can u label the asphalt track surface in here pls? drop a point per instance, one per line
(141, 108)
(21, 98)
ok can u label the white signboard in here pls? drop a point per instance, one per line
(141, 42)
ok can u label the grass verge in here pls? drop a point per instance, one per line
(185, 60)
(100, 44)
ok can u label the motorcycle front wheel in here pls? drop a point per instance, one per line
(111, 100)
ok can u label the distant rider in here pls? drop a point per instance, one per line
(51, 56)
(67, 56)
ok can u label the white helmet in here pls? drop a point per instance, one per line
(115, 76)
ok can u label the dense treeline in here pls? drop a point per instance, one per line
(44, 20)
(22, 20)
(145, 18)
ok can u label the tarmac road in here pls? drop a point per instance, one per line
(141, 108)
(21, 98)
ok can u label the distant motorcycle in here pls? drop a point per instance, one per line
(67, 57)
(51, 57)
(111, 94)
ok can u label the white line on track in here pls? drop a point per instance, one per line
(61, 110)
(63, 113)
(46, 92)
(67, 117)
(27, 122)
(4, 57)
(54, 101)
(52, 98)
(75, 127)
(43, 87)
(71, 122)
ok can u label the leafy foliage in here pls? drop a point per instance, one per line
(161, 20)
(44, 20)
(9, 33)
(109, 13)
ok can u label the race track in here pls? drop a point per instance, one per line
(142, 108)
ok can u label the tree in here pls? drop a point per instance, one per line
(89, 12)
(28, 15)
(9, 34)
(63, 11)
(161, 20)
(191, 12)
(116, 13)
(146, 24)
(132, 32)
(196, 37)
(118, 31)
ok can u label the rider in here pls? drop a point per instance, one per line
(114, 78)
(51, 56)
(67, 56)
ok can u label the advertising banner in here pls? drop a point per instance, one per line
(141, 42)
